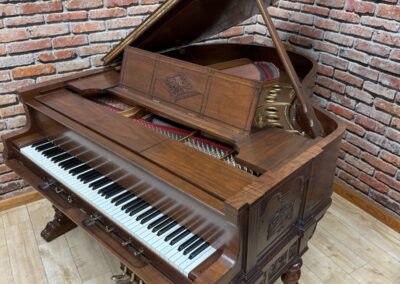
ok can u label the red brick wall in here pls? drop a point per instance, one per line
(356, 43)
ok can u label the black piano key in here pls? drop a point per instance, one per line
(113, 192)
(147, 214)
(92, 177)
(99, 183)
(89, 176)
(86, 174)
(151, 217)
(193, 246)
(156, 222)
(80, 169)
(107, 188)
(174, 233)
(138, 209)
(61, 157)
(45, 146)
(71, 165)
(121, 198)
(188, 243)
(161, 225)
(66, 164)
(198, 251)
(179, 237)
(52, 152)
(129, 205)
(41, 142)
(166, 229)
(116, 193)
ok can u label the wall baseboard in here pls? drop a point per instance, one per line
(373, 209)
(20, 199)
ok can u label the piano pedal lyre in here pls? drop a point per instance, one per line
(126, 277)
(122, 278)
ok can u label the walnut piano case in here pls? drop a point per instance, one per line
(184, 172)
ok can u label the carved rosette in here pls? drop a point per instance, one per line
(180, 87)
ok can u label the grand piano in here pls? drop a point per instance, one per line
(191, 162)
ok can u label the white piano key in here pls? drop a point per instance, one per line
(193, 263)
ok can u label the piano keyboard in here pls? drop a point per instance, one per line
(172, 242)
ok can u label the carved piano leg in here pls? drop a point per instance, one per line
(293, 274)
(58, 226)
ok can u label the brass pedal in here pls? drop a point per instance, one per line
(122, 278)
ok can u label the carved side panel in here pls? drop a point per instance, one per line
(279, 263)
(288, 254)
(280, 212)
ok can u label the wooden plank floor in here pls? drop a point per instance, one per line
(348, 247)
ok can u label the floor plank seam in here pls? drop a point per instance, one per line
(37, 243)
(9, 261)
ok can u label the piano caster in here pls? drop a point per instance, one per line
(292, 276)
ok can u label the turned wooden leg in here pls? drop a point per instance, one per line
(293, 274)
(58, 226)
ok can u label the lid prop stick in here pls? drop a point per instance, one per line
(313, 122)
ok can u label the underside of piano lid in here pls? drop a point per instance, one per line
(180, 22)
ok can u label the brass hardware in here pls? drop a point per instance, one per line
(91, 220)
(109, 229)
(58, 190)
(139, 252)
(131, 112)
(275, 107)
(122, 278)
(133, 277)
(47, 185)
(70, 199)
(125, 243)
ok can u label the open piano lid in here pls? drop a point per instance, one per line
(177, 23)
(180, 22)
